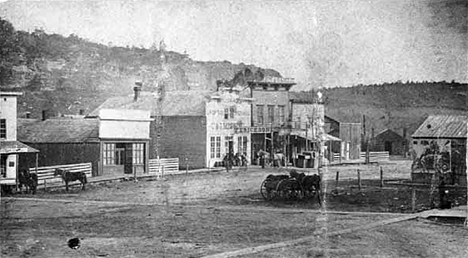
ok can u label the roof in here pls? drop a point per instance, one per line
(443, 126)
(15, 147)
(10, 93)
(58, 130)
(175, 103)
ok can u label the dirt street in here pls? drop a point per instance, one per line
(201, 214)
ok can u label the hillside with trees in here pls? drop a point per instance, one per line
(395, 105)
(67, 74)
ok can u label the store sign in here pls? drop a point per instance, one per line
(252, 130)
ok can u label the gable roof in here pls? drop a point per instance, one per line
(58, 130)
(443, 126)
(388, 132)
(175, 103)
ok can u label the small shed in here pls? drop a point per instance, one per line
(388, 140)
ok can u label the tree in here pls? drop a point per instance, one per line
(9, 50)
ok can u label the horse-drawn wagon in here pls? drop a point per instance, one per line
(294, 185)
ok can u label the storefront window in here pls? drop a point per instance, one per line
(215, 147)
(138, 152)
(109, 154)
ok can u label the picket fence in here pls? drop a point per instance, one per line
(163, 166)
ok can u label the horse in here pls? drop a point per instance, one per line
(309, 184)
(68, 176)
(29, 180)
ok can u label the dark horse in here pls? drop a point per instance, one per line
(29, 180)
(310, 185)
(68, 176)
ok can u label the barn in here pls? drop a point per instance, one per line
(440, 144)
(388, 140)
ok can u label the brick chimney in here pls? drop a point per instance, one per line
(82, 112)
(137, 90)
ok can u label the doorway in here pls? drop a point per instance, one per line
(388, 147)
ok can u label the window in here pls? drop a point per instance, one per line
(242, 144)
(424, 142)
(226, 113)
(109, 154)
(215, 147)
(3, 130)
(415, 142)
(212, 147)
(232, 110)
(138, 153)
(281, 114)
(260, 114)
(271, 114)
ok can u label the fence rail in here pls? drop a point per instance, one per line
(373, 156)
(46, 174)
(377, 155)
(170, 165)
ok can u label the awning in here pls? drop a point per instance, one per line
(15, 147)
(323, 137)
(327, 137)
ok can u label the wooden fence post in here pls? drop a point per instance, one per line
(381, 177)
(45, 185)
(413, 200)
(359, 179)
(337, 179)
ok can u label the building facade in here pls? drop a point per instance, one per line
(115, 142)
(10, 148)
(439, 144)
(270, 112)
(228, 125)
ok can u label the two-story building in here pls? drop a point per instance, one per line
(228, 124)
(270, 112)
(10, 148)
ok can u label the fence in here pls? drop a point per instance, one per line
(166, 166)
(45, 175)
(376, 155)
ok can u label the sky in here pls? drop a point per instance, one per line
(319, 43)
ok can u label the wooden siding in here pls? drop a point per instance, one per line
(182, 137)
(52, 154)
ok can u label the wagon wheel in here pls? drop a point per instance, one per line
(266, 194)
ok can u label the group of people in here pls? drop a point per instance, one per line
(231, 160)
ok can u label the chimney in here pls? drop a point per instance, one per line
(137, 90)
(45, 115)
(81, 112)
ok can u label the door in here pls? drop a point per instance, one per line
(128, 166)
(388, 147)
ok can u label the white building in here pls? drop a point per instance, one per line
(228, 118)
(10, 148)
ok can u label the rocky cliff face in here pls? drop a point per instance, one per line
(67, 74)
